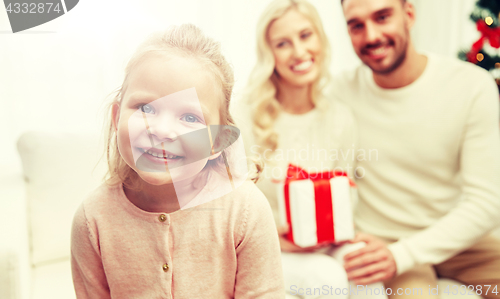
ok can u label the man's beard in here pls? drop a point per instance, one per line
(395, 65)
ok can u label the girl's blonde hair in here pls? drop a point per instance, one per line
(185, 41)
(262, 88)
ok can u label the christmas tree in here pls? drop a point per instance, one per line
(485, 51)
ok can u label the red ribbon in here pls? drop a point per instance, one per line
(324, 210)
(322, 194)
(487, 33)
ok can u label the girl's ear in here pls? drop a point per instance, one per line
(115, 115)
(226, 136)
(215, 156)
(218, 145)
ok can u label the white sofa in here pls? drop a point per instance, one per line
(36, 211)
(37, 205)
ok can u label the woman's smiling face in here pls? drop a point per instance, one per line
(162, 123)
(296, 47)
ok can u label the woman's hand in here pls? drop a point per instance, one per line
(287, 246)
(370, 264)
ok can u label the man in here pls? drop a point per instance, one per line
(431, 196)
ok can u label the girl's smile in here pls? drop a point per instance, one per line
(159, 156)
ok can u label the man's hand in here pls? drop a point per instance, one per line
(370, 264)
(288, 246)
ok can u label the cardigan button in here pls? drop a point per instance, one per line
(162, 217)
(165, 268)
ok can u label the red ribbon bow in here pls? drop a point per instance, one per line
(487, 33)
(296, 173)
(323, 195)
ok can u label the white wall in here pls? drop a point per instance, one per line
(443, 26)
(56, 76)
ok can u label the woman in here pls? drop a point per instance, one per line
(286, 118)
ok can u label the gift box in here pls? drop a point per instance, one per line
(316, 206)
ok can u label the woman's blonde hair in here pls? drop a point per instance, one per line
(262, 88)
(185, 41)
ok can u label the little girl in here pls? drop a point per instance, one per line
(172, 219)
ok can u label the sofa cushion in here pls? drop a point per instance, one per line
(53, 281)
(60, 170)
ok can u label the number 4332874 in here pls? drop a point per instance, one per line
(33, 8)
(471, 290)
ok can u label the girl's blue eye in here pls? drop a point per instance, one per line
(147, 108)
(190, 118)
